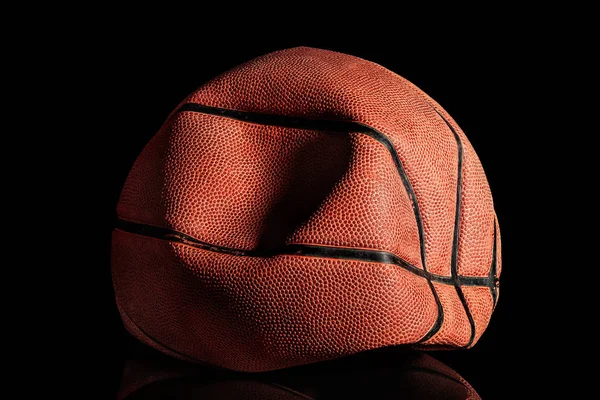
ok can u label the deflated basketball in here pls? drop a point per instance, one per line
(304, 206)
(412, 375)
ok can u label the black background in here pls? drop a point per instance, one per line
(138, 79)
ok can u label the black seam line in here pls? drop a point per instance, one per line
(454, 261)
(341, 127)
(307, 250)
(321, 125)
(492, 280)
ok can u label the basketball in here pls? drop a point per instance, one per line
(304, 206)
(411, 375)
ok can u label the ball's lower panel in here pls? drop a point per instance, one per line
(480, 303)
(254, 314)
(455, 330)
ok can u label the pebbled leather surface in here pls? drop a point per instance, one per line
(250, 186)
(328, 85)
(479, 301)
(253, 186)
(455, 330)
(255, 314)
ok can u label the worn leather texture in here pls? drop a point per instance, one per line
(260, 182)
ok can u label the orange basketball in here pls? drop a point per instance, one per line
(304, 206)
(413, 375)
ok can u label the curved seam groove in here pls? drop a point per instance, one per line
(457, 222)
(305, 250)
(492, 277)
(340, 127)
